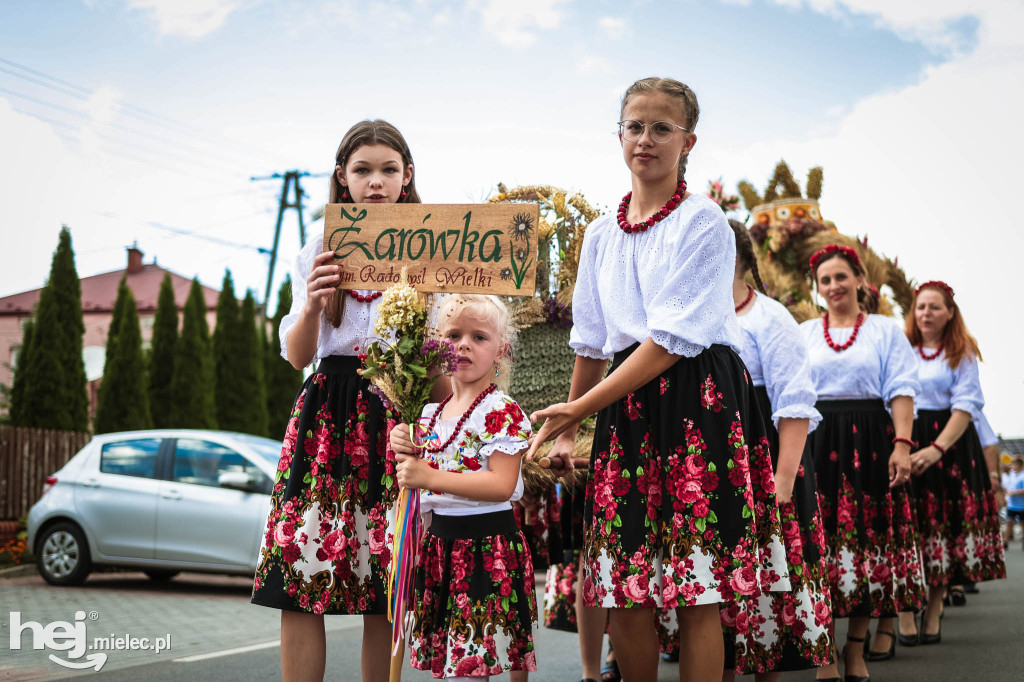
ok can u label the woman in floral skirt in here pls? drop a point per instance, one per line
(329, 534)
(956, 507)
(782, 631)
(862, 364)
(680, 509)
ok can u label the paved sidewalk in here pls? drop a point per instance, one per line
(199, 614)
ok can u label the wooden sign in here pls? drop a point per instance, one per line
(465, 248)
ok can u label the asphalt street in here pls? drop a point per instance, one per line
(215, 634)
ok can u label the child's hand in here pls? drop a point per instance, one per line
(401, 441)
(412, 472)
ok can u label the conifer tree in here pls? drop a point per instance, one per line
(161, 357)
(16, 411)
(283, 380)
(123, 403)
(250, 383)
(192, 386)
(229, 364)
(54, 394)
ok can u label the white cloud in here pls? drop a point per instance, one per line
(187, 18)
(514, 22)
(930, 23)
(102, 104)
(613, 27)
(931, 173)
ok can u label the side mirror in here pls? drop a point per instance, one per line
(237, 480)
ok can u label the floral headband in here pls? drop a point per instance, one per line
(935, 284)
(821, 254)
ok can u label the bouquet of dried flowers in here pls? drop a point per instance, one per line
(402, 366)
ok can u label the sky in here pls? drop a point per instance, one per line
(143, 121)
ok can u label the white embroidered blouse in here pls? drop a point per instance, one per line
(944, 388)
(498, 423)
(672, 283)
(357, 321)
(879, 364)
(773, 351)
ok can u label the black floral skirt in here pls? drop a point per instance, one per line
(956, 509)
(787, 631)
(330, 531)
(874, 564)
(680, 506)
(539, 519)
(561, 581)
(474, 598)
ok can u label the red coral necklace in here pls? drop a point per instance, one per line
(849, 342)
(462, 420)
(368, 298)
(750, 295)
(926, 356)
(645, 225)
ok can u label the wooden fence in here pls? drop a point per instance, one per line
(27, 457)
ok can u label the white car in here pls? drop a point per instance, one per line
(162, 501)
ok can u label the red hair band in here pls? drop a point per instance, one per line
(821, 254)
(935, 284)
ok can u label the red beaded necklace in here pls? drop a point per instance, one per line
(849, 342)
(920, 351)
(369, 298)
(645, 225)
(462, 420)
(750, 295)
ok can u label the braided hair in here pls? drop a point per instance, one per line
(745, 252)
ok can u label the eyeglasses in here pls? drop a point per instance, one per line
(660, 131)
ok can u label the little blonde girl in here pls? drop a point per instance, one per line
(474, 588)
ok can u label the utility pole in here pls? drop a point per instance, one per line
(291, 179)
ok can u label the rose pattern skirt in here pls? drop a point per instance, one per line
(539, 519)
(680, 507)
(874, 564)
(330, 531)
(561, 581)
(474, 598)
(956, 509)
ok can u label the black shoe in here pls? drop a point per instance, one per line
(957, 596)
(927, 638)
(870, 655)
(908, 640)
(856, 678)
(971, 588)
(610, 672)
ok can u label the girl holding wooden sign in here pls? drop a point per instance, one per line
(329, 534)
(474, 586)
(681, 509)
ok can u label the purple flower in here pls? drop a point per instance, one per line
(557, 314)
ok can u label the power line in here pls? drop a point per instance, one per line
(140, 113)
(183, 232)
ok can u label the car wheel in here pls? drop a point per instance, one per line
(63, 555)
(161, 575)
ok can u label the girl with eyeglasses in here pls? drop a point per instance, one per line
(956, 508)
(680, 510)
(330, 532)
(863, 369)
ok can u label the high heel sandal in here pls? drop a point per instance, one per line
(927, 638)
(847, 677)
(908, 640)
(870, 655)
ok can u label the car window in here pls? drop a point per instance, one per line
(202, 462)
(269, 450)
(130, 457)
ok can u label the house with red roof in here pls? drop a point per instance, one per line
(98, 295)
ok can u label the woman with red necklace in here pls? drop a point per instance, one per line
(680, 510)
(862, 364)
(956, 508)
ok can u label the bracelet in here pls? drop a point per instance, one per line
(993, 474)
(939, 448)
(909, 442)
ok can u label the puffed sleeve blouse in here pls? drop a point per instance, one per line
(357, 322)
(773, 351)
(672, 284)
(879, 364)
(945, 388)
